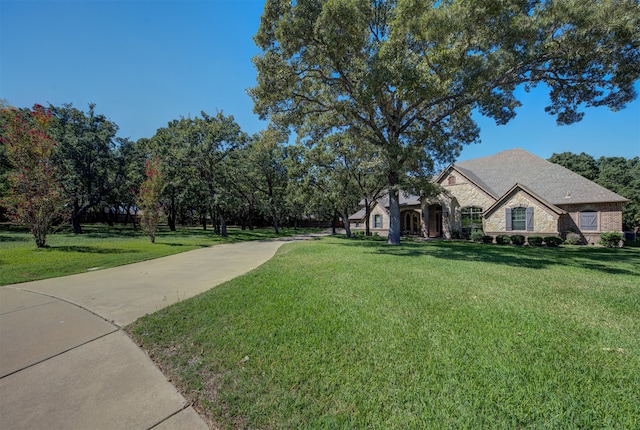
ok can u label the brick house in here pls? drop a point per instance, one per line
(511, 192)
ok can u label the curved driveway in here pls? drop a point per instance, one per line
(65, 363)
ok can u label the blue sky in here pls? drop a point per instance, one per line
(147, 62)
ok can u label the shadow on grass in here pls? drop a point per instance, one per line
(201, 245)
(93, 250)
(14, 239)
(612, 261)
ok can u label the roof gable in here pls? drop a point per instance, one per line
(513, 191)
(498, 173)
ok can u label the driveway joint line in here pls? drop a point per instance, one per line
(112, 322)
(60, 353)
(26, 307)
(184, 407)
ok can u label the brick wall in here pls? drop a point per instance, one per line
(609, 219)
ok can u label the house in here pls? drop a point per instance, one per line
(410, 216)
(511, 192)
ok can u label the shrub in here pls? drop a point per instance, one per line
(535, 241)
(517, 239)
(611, 239)
(553, 241)
(455, 234)
(503, 239)
(477, 236)
(487, 239)
(573, 239)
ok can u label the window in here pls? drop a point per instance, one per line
(471, 217)
(519, 218)
(588, 220)
(452, 180)
(377, 221)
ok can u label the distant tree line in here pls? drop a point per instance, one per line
(618, 174)
(212, 173)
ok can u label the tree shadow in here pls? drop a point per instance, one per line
(14, 239)
(201, 245)
(94, 250)
(625, 261)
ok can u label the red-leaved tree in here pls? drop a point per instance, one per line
(149, 197)
(35, 196)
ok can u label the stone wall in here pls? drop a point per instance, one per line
(462, 194)
(545, 222)
(466, 193)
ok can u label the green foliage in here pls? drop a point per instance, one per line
(455, 235)
(405, 76)
(477, 235)
(267, 172)
(535, 240)
(149, 197)
(553, 241)
(503, 239)
(427, 335)
(611, 239)
(623, 177)
(573, 239)
(582, 164)
(517, 239)
(617, 174)
(85, 157)
(35, 195)
(487, 239)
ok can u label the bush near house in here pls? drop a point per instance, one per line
(535, 241)
(517, 239)
(573, 239)
(477, 236)
(553, 241)
(487, 239)
(503, 239)
(611, 239)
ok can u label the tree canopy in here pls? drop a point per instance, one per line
(406, 75)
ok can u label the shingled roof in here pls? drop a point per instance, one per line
(404, 199)
(498, 173)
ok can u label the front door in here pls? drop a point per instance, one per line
(435, 221)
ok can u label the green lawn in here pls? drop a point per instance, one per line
(341, 333)
(101, 246)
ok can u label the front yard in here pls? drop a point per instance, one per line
(339, 333)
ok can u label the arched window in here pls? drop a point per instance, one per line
(471, 217)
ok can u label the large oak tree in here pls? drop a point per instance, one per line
(407, 74)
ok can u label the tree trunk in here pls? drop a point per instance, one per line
(334, 221)
(75, 218)
(223, 223)
(250, 220)
(347, 227)
(127, 214)
(274, 215)
(394, 216)
(367, 214)
(171, 219)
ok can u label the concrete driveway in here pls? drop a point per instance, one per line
(65, 363)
